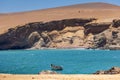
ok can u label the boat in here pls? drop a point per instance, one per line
(56, 67)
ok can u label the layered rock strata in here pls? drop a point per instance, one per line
(67, 33)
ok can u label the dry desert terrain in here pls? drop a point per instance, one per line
(102, 11)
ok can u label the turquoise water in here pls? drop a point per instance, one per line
(73, 61)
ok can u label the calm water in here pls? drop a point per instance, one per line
(73, 61)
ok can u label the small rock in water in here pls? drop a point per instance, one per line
(48, 72)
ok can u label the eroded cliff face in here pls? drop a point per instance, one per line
(109, 38)
(67, 33)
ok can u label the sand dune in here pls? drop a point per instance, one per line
(102, 11)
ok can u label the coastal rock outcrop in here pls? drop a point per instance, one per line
(113, 70)
(110, 39)
(40, 34)
(67, 33)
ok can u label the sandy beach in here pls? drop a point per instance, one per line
(59, 77)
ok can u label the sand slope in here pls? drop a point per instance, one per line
(59, 77)
(102, 11)
(94, 5)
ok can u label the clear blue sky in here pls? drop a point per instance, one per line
(7, 6)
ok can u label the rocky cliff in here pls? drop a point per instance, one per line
(67, 33)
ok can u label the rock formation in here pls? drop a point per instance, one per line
(116, 22)
(48, 72)
(96, 28)
(67, 33)
(113, 70)
(110, 37)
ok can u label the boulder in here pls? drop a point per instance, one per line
(99, 72)
(113, 70)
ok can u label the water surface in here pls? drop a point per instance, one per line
(74, 61)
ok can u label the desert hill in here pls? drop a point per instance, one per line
(94, 5)
(90, 25)
(102, 11)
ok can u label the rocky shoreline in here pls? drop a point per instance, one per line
(113, 70)
(67, 33)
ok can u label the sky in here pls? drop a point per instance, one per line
(10, 6)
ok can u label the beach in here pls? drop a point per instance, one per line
(59, 77)
(79, 39)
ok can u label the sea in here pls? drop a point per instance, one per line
(73, 61)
